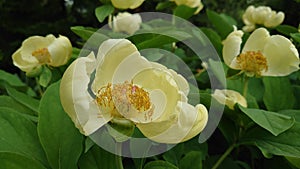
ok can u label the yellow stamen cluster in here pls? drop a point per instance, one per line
(252, 62)
(42, 55)
(136, 96)
(125, 94)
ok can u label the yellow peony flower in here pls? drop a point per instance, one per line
(37, 51)
(191, 3)
(262, 54)
(129, 87)
(261, 15)
(229, 98)
(122, 4)
(126, 22)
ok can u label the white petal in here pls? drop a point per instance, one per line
(229, 98)
(256, 40)
(188, 123)
(132, 4)
(76, 99)
(231, 47)
(60, 50)
(110, 54)
(26, 64)
(282, 56)
(275, 19)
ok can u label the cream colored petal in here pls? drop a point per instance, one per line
(75, 98)
(199, 124)
(274, 19)
(178, 129)
(34, 43)
(232, 47)
(126, 22)
(26, 64)
(60, 50)
(256, 40)
(247, 16)
(229, 98)
(261, 13)
(132, 4)
(282, 56)
(179, 79)
(110, 54)
(249, 28)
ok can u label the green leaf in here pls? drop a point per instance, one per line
(278, 93)
(97, 158)
(164, 5)
(9, 102)
(103, 11)
(12, 80)
(159, 165)
(121, 129)
(192, 160)
(24, 99)
(184, 11)
(222, 24)
(60, 139)
(286, 29)
(214, 38)
(45, 77)
(296, 37)
(85, 33)
(16, 161)
(294, 161)
(273, 122)
(19, 136)
(285, 144)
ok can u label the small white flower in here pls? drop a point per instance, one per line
(126, 22)
(128, 86)
(261, 15)
(229, 98)
(37, 50)
(262, 54)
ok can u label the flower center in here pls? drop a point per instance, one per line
(42, 55)
(252, 62)
(124, 95)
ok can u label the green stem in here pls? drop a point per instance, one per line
(119, 157)
(222, 158)
(245, 90)
(39, 86)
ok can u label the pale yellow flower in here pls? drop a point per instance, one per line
(229, 98)
(191, 3)
(262, 15)
(128, 86)
(37, 51)
(262, 54)
(125, 4)
(126, 22)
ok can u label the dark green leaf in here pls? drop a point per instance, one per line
(19, 136)
(273, 122)
(97, 158)
(45, 77)
(192, 160)
(164, 5)
(24, 99)
(214, 38)
(294, 161)
(222, 24)
(86, 32)
(184, 11)
(283, 98)
(159, 165)
(285, 144)
(286, 29)
(103, 11)
(60, 139)
(7, 101)
(296, 37)
(16, 161)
